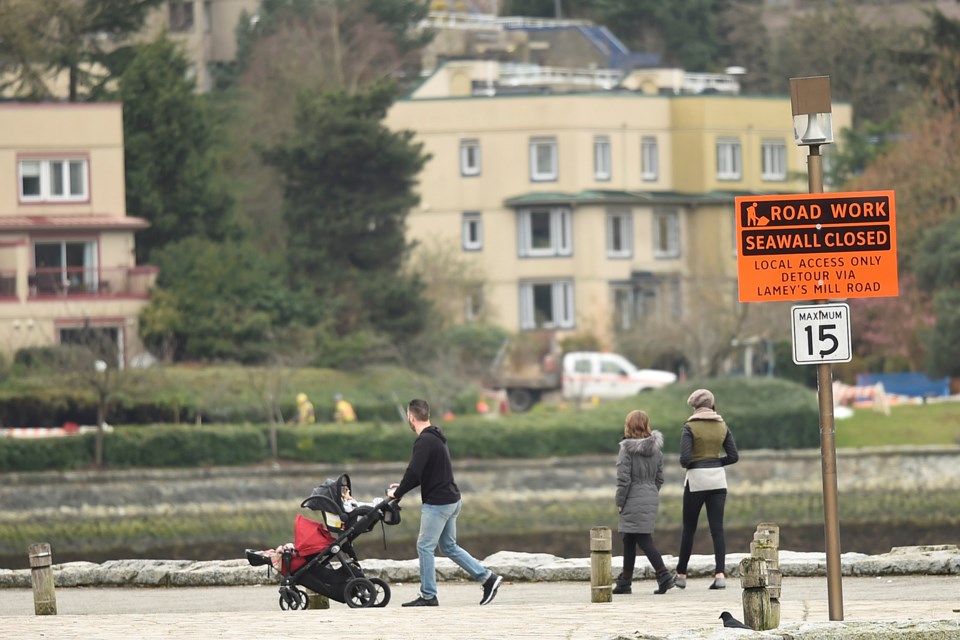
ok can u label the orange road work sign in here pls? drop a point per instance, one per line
(817, 246)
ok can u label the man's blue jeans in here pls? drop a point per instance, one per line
(438, 526)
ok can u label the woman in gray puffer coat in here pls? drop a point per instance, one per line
(639, 478)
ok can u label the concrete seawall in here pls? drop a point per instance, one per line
(942, 560)
(928, 468)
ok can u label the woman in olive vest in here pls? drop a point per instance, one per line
(706, 447)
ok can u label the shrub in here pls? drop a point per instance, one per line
(762, 413)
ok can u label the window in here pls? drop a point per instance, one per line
(181, 16)
(546, 305)
(649, 162)
(473, 304)
(729, 163)
(601, 158)
(472, 232)
(469, 157)
(543, 159)
(773, 160)
(619, 233)
(207, 16)
(666, 234)
(545, 232)
(53, 180)
(105, 342)
(646, 296)
(63, 267)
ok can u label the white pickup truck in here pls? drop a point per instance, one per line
(582, 375)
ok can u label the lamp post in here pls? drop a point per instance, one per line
(812, 127)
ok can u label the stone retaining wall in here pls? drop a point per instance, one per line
(927, 468)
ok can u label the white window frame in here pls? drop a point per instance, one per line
(470, 157)
(46, 169)
(538, 173)
(649, 159)
(602, 159)
(666, 234)
(560, 232)
(472, 231)
(729, 159)
(561, 304)
(71, 268)
(624, 307)
(474, 304)
(773, 160)
(619, 224)
(183, 18)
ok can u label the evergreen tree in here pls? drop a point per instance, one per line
(348, 185)
(171, 169)
(216, 300)
(937, 266)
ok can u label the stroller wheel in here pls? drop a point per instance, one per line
(290, 599)
(359, 593)
(381, 596)
(302, 596)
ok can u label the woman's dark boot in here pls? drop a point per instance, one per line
(623, 583)
(665, 580)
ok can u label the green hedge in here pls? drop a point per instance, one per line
(762, 413)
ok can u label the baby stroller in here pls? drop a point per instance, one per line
(309, 562)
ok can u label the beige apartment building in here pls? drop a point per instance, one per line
(205, 28)
(592, 211)
(67, 266)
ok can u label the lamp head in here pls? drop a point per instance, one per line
(810, 102)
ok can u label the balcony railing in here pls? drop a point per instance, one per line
(58, 282)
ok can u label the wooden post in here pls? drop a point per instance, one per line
(756, 598)
(765, 546)
(601, 572)
(316, 600)
(41, 574)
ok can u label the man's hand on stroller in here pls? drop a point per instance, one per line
(391, 490)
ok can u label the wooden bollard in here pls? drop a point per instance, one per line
(316, 600)
(765, 546)
(41, 574)
(756, 598)
(601, 572)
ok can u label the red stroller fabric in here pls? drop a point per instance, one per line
(309, 537)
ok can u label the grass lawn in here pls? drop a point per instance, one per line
(934, 423)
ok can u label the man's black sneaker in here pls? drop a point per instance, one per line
(490, 586)
(422, 602)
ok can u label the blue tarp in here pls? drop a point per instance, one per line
(916, 385)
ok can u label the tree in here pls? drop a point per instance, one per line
(85, 39)
(305, 45)
(348, 185)
(937, 265)
(889, 333)
(218, 301)
(858, 56)
(170, 162)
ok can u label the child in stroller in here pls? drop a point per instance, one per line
(308, 562)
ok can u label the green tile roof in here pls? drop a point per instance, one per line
(605, 196)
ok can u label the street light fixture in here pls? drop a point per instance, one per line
(812, 117)
(812, 127)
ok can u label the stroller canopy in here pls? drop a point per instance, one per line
(310, 536)
(329, 496)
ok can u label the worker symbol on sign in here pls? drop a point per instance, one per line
(753, 220)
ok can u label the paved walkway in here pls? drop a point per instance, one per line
(522, 610)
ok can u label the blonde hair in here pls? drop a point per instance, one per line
(637, 424)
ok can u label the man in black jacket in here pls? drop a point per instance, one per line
(431, 469)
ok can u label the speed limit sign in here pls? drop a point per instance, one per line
(821, 333)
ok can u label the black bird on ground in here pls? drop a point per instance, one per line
(731, 622)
